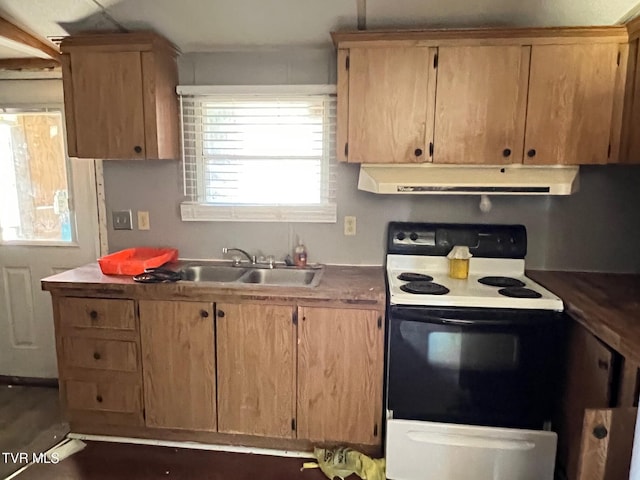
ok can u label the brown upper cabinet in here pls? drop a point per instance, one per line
(390, 104)
(120, 96)
(482, 96)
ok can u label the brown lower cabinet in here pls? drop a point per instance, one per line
(597, 420)
(252, 372)
(178, 358)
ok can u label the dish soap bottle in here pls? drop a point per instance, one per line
(300, 255)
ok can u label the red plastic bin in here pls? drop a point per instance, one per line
(133, 261)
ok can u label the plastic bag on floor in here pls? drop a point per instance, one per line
(342, 462)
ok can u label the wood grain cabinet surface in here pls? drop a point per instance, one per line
(99, 364)
(493, 96)
(256, 369)
(178, 357)
(596, 423)
(120, 99)
(263, 373)
(340, 365)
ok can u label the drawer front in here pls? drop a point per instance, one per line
(97, 313)
(108, 397)
(100, 354)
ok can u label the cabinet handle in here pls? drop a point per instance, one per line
(531, 153)
(418, 152)
(220, 313)
(600, 432)
(99, 398)
(96, 355)
(204, 313)
(603, 364)
(93, 314)
(137, 149)
(506, 152)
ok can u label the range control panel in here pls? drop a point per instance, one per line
(437, 239)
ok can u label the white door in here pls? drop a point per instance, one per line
(48, 223)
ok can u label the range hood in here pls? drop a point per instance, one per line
(468, 179)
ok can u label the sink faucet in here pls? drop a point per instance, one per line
(252, 258)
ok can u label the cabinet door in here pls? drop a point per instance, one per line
(391, 93)
(178, 362)
(256, 369)
(588, 384)
(570, 106)
(480, 104)
(107, 105)
(340, 372)
(606, 444)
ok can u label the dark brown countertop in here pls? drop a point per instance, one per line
(607, 304)
(348, 285)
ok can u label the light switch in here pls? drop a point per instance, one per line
(122, 220)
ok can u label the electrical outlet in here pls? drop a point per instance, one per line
(122, 220)
(143, 220)
(349, 225)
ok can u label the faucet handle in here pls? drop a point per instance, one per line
(271, 260)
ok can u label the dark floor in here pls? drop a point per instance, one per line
(30, 421)
(102, 461)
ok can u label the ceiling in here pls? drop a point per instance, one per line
(209, 25)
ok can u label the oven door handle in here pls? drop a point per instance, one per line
(438, 319)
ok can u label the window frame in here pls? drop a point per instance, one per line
(326, 212)
(36, 108)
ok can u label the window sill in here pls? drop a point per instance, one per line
(202, 212)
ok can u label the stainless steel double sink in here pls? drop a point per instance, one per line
(197, 271)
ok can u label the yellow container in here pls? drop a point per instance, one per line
(459, 268)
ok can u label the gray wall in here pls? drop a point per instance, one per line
(597, 229)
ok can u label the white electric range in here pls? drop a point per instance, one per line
(472, 364)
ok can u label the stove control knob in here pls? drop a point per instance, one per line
(413, 236)
(400, 236)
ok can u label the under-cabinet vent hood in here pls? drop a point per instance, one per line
(468, 180)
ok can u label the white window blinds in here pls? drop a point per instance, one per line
(264, 156)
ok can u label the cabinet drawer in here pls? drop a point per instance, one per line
(100, 354)
(111, 397)
(97, 313)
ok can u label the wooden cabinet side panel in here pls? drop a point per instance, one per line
(480, 104)
(388, 104)
(588, 385)
(178, 360)
(570, 106)
(340, 374)
(109, 114)
(256, 370)
(69, 105)
(342, 108)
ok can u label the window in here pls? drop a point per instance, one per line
(259, 153)
(34, 192)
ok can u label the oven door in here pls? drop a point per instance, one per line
(492, 367)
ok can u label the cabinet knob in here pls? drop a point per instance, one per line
(93, 314)
(600, 432)
(99, 398)
(603, 364)
(137, 149)
(220, 313)
(531, 153)
(506, 152)
(418, 152)
(96, 355)
(204, 313)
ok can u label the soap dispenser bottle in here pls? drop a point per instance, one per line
(300, 255)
